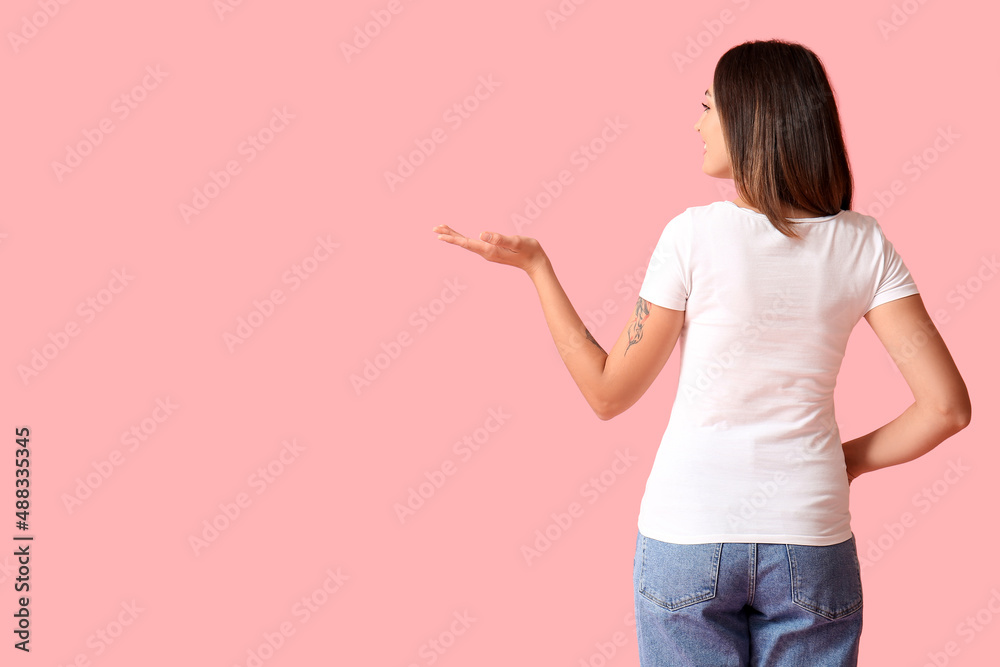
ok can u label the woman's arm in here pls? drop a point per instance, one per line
(610, 383)
(941, 405)
(582, 354)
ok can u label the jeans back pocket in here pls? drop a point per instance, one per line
(826, 580)
(675, 576)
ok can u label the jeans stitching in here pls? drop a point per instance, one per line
(798, 598)
(642, 573)
(694, 598)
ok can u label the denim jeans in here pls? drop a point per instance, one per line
(740, 604)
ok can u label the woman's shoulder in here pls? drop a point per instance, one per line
(726, 210)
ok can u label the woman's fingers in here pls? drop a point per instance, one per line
(500, 241)
(446, 233)
(493, 247)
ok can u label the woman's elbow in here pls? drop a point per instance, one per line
(610, 408)
(958, 413)
(605, 411)
(962, 415)
(603, 414)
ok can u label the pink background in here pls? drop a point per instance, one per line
(331, 504)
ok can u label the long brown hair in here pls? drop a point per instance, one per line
(782, 128)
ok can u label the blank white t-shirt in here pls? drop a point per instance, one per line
(752, 452)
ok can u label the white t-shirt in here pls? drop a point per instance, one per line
(752, 452)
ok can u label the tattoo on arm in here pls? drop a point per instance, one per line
(594, 341)
(635, 327)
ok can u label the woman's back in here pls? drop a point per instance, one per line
(752, 452)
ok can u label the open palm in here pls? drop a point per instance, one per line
(523, 252)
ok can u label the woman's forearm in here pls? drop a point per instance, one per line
(582, 355)
(910, 435)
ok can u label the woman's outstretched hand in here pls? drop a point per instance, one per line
(523, 252)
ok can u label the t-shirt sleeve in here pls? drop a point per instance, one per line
(667, 282)
(894, 280)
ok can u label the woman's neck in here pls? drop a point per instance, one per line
(789, 212)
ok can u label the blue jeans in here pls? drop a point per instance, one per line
(740, 604)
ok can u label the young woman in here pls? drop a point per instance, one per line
(744, 553)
